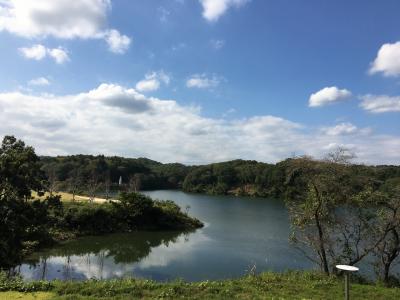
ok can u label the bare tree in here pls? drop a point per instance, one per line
(107, 185)
(331, 218)
(74, 183)
(134, 184)
(93, 185)
(310, 210)
(51, 184)
(340, 155)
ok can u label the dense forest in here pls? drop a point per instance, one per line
(238, 177)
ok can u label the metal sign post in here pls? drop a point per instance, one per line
(347, 270)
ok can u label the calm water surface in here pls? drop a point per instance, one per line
(239, 233)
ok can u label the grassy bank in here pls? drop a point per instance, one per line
(291, 285)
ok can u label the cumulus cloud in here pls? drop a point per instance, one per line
(214, 9)
(387, 60)
(60, 55)
(201, 81)
(152, 81)
(38, 52)
(345, 129)
(380, 103)
(117, 42)
(40, 81)
(63, 19)
(115, 120)
(328, 95)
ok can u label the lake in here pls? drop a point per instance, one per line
(240, 234)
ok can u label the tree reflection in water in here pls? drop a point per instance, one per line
(88, 257)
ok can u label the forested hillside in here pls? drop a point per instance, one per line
(239, 177)
(66, 172)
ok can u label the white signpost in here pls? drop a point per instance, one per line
(347, 270)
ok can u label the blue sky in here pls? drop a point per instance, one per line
(197, 81)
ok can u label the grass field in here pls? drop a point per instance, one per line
(291, 285)
(67, 197)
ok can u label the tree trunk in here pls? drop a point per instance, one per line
(322, 250)
(386, 270)
(322, 246)
(394, 253)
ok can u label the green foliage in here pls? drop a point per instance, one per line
(288, 285)
(19, 168)
(238, 177)
(132, 211)
(340, 214)
(86, 218)
(26, 224)
(16, 283)
(78, 169)
(21, 222)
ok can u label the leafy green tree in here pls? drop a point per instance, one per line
(20, 220)
(19, 168)
(133, 207)
(11, 228)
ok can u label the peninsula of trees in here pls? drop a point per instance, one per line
(31, 220)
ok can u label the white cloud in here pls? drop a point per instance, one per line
(117, 43)
(380, 103)
(152, 81)
(148, 85)
(345, 129)
(59, 18)
(63, 19)
(217, 44)
(114, 120)
(60, 55)
(38, 52)
(214, 9)
(328, 95)
(201, 81)
(40, 81)
(387, 60)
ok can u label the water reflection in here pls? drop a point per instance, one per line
(239, 233)
(116, 255)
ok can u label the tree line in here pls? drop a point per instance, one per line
(89, 174)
